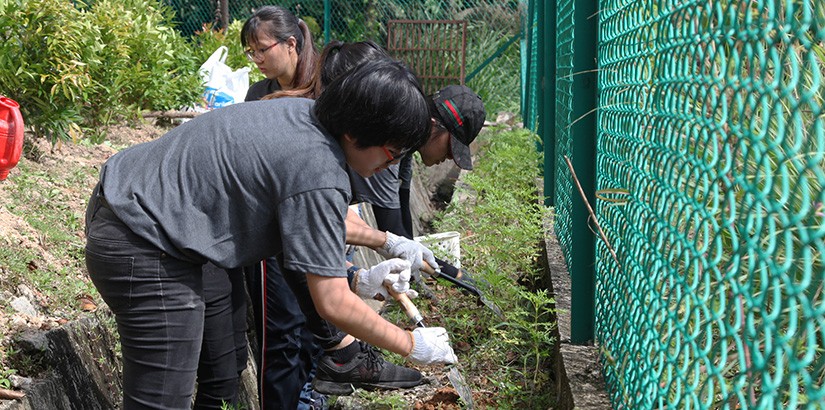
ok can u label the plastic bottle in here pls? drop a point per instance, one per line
(11, 135)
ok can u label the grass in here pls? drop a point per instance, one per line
(40, 198)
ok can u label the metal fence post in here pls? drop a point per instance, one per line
(583, 135)
(527, 61)
(548, 97)
(539, 124)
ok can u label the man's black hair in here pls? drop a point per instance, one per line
(377, 103)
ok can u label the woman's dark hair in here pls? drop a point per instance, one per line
(336, 59)
(280, 24)
(378, 103)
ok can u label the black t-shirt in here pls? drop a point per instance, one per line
(262, 88)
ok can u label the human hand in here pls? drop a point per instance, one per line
(401, 247)
(431, 345)
(395, 273)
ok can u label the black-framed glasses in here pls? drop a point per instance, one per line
(393, 157)
(258, 55)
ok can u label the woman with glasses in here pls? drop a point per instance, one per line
(281, 46)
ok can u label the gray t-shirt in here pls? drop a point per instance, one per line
(237, 185)
(382, 188)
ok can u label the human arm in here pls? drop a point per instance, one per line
(336, 303)
(387, 244)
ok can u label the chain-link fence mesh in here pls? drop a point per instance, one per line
(489, 26)
(710, 164)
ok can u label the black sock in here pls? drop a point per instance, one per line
(346, 354)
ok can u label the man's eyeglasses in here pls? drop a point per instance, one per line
(393, 157)
(258, 55)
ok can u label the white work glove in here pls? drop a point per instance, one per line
(431, 345)
(401, 247)
(370, 283)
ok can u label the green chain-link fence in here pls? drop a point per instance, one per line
(709, 164)
(492, 56)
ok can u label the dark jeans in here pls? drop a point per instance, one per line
(224, 350)
(159, 309)
(291, 342)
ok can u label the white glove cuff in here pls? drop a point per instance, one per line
(356, 280)
(418, 345)
(412, 340)
(390, 242)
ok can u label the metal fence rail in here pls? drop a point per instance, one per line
(710, 164)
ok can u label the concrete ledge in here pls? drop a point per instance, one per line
(580, 384)
(79, 370)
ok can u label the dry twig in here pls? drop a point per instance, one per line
(590, 210)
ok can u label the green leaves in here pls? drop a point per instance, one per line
(500, 220)
(83, 67)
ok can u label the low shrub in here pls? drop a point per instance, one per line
(77, 68)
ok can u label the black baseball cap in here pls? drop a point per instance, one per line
(462, 113)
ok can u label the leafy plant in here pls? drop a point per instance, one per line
(501, 224)
(44, 56)
(5, 383)
(77, 69)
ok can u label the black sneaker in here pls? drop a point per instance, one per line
(367, 370)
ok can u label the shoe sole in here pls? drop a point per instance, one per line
(345, 389)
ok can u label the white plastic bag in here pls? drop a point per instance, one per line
(223, 86)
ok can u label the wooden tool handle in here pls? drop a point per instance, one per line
(409, 308)
(429, 270)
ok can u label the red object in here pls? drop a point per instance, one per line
(11, 135)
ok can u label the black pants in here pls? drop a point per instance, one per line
(290, 331)
(224, 349)
(159, 309)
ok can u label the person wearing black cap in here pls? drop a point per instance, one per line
(457, 117)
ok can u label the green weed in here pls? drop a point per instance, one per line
(501, 226)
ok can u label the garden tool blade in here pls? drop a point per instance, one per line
(454, 376)
(436, 273)
(457, 380)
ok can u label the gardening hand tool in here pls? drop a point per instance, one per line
(436, 273)
(454, 376)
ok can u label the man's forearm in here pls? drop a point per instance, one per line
(361, 234)
(337, 304)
